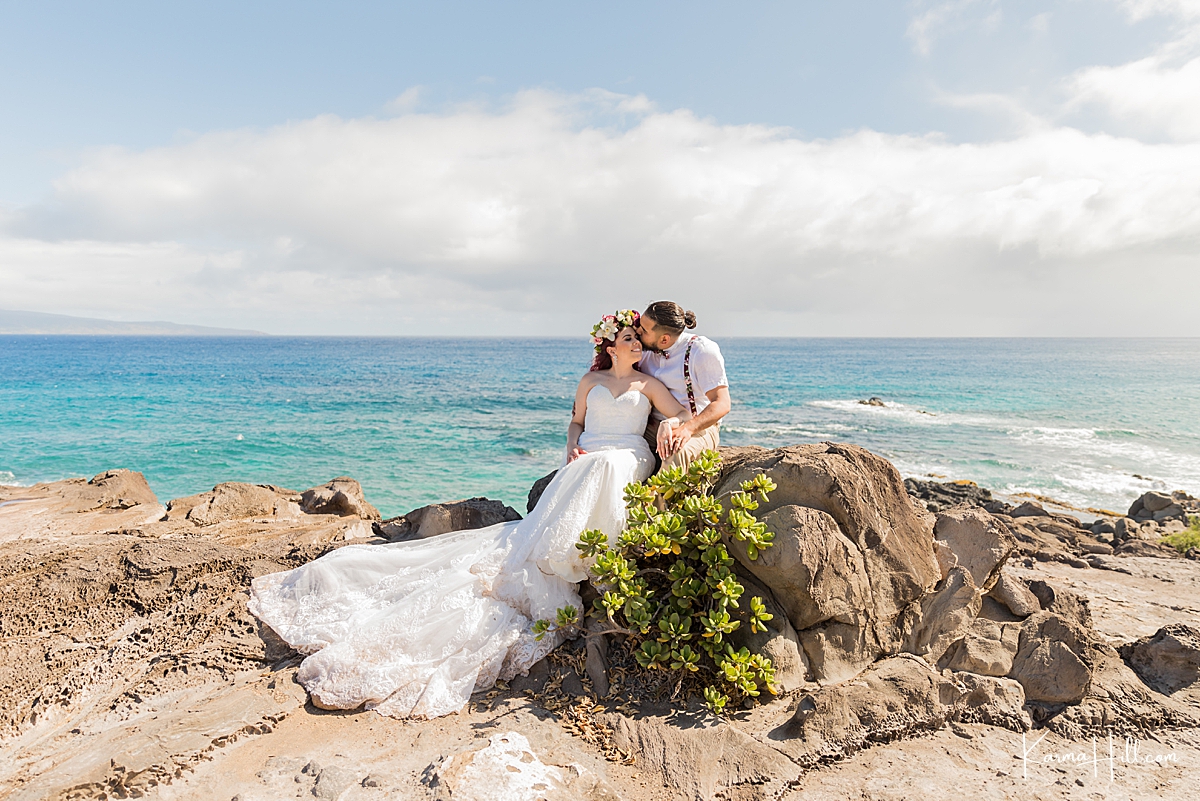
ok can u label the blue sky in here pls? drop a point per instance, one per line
(492, 163)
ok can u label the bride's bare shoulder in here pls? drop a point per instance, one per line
(590, 379)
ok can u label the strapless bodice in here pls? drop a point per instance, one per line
(623, 415)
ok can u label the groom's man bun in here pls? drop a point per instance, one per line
(669, 316)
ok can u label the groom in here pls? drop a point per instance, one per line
(693, 369)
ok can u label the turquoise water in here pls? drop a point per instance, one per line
(423, 420)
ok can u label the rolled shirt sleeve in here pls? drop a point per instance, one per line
(708, 371)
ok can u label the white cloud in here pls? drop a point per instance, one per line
(1180, 9)
(1149, 95)
(533, 217)
(1158, 95)
(943, 17)
(406, 101)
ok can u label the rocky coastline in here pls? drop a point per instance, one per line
(923, 631)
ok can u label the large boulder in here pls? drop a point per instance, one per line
(1150, 502)
(863, 501)
(815, 572)
(1049, 663)
(987, 649)
(944, 616)
(1015, 595)
(120, 489)
(342, 496)
(991, 700)
(779, 642)
(231, 500)
(1168, 660)
(978, 540)
(441, 518)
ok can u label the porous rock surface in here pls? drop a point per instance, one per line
(884, 556)
(341, 496)
(129, 666)
(127, 653)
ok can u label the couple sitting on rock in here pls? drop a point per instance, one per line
(413, 628)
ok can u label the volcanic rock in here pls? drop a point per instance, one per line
(116, 489)
(1015, 595)
(992, 700)
(937, 496)
(1029, 509)
(779, 642)
(535, 492)
(1168, 661)
(979, 541)
(1119, 702)
(1047, 666)
(1152, 502)
(231, 501)
(815, 572)
(341, 496)
(895, 697)
(987, 649)
(865, 499)
(440, 518)
(701, 760)
(944, 616)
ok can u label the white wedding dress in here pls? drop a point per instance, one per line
(411, 629)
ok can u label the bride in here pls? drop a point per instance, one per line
(411, 629)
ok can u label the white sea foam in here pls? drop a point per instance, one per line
(900, 412)
(893, 411)
(9, 479)
(1082, 466)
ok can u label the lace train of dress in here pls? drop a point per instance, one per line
(411, 629)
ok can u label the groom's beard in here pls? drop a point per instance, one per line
(651, 348)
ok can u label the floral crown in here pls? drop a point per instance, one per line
(610, 324)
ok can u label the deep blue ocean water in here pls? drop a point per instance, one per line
(424, 420)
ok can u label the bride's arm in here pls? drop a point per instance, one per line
(675, 412)
(578, 414)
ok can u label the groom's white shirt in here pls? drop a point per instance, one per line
(706, 365)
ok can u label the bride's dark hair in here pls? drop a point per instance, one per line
(603, 359)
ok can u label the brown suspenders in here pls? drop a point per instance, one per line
(687, 375)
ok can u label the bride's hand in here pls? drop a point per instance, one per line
(574, 454)
(665, 437)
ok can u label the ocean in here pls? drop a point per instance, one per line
(1091, 422)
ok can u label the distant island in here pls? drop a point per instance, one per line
(26, 322)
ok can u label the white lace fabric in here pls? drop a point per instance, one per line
(411, 629)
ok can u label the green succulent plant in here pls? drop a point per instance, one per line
(668, 580)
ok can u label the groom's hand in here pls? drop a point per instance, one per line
(682, 434)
